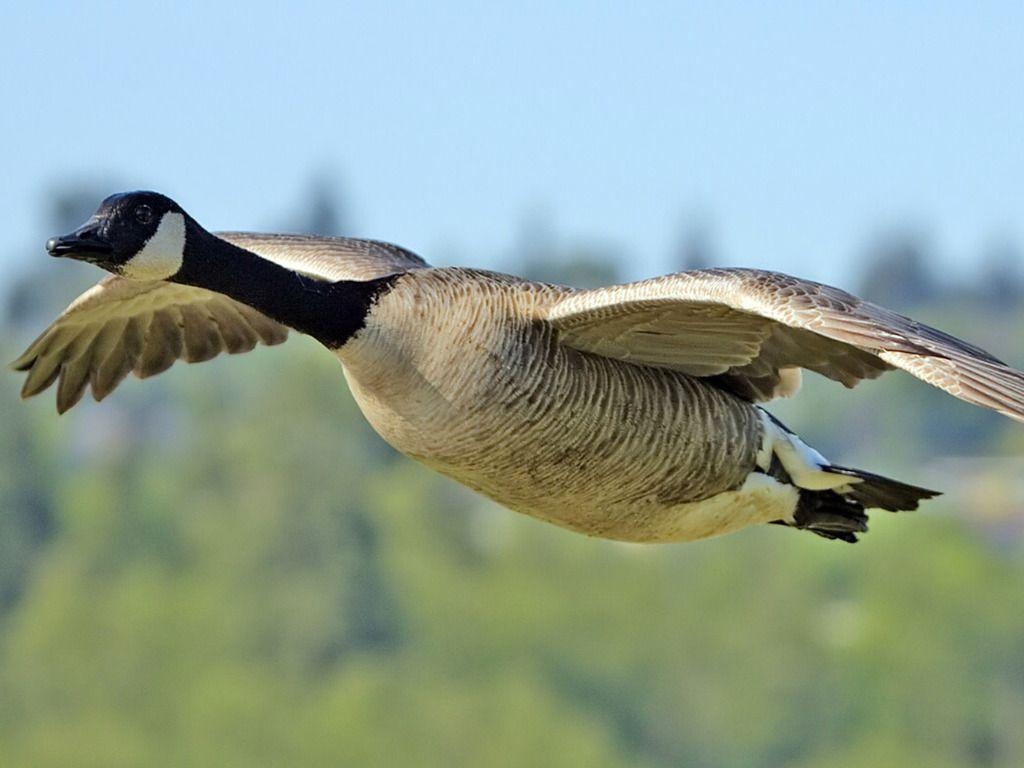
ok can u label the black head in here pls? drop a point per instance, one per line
(140, 235)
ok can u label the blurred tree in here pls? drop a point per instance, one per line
(71, 204)
(538, 255)
(897, 272)
(322, 209)
(695, 248)
(326, 212)
(28, 503)
(28, 507)
(1001, 276)
(33, 297)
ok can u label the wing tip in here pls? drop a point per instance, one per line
(22, 363)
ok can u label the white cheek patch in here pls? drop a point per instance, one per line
(162, 255)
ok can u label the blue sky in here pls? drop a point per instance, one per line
(794, 130)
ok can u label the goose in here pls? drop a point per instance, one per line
(630, 412)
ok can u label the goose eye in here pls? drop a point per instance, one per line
(144, 214)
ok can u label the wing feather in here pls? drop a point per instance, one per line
(749, 329)
(329, 258)
(122, 326)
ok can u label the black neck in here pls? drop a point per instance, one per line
(329, 312)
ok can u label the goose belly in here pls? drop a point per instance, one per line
(588, 443)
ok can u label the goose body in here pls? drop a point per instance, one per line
(629, 412)
(592, 444)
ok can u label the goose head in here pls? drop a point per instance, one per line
(139, 235)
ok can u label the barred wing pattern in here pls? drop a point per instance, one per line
(122, 326)
(328, 258)
(752, 330)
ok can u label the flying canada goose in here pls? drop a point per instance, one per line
(628, 412)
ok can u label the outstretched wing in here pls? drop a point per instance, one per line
(753, 330)
(329, 258)
(120, 326)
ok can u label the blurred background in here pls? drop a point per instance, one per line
(225, 566)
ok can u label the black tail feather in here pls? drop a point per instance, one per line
(877, 492)
(829, 514)
(841, 515)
